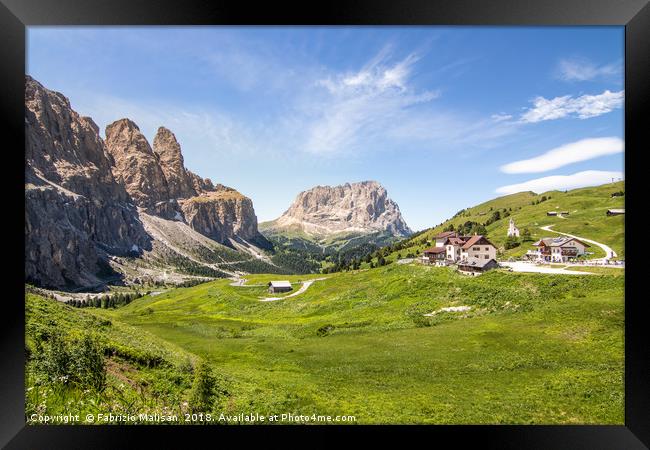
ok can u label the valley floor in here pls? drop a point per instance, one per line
(532, 348)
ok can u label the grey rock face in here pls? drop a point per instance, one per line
(352, 207)
(170, 158)
(222, 214)
(138, 168)
(82, 194)
(75, 211)
(158, 181)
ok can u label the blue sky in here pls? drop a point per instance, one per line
(443, 117)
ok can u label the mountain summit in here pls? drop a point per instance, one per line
(119, 210)
(351, 208)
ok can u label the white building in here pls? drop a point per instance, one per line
(458, 248)
(512, 229)
(442, 237)
(479, 247)
(559, 249)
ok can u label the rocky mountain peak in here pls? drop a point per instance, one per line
(362, 207)
(137, 166)
(76, 212)
(168, 150)
(81, 194)
(167, 147)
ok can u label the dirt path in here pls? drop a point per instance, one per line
(238, 281)
(608, 250)
(303, 288)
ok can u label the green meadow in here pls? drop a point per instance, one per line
(531, 348)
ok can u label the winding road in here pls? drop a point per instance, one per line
(608, 250)
(241, 282)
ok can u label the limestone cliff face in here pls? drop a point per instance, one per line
(138, 168)
(222, 214)
(84, 196)
(158, 181)
(350, 208)
(170, 158)
(75, 211)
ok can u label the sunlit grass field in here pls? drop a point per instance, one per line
(533, 348)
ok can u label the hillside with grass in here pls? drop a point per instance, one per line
(80, 363)
(525, 348)
(587, 218)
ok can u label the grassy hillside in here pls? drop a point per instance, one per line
(587, 218)
(532, 349)
(79, 363)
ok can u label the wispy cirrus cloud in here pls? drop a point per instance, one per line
(501, 117)
(582, 150)
(581, 69)
(583, 107)
(326, 113)
(379, 104)
(358, 106)
(562, 182)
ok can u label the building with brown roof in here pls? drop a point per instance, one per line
(450, 248)
(434, 255)
(478, 246)
(558, 249)
(441, 238)
(462, 247)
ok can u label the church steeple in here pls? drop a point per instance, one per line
(512, 229)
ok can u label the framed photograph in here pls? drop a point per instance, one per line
(363, 218)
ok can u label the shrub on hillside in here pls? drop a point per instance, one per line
(78, 361)
(203, 388)
(511, 242)
(88, 362)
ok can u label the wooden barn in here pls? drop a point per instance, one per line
(279, 286)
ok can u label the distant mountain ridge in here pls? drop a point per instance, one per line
(324, 213)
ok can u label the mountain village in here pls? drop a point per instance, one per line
(474, 255)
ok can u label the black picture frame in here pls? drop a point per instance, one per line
(15, 15)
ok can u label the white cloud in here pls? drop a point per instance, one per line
(582, 107)
(580, 69)
(501, 117)
(378, 75)
(324, 112)
(562, 182)
(573, 152)
(379, 106)
(360, 106)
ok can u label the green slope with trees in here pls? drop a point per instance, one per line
(587, 218)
